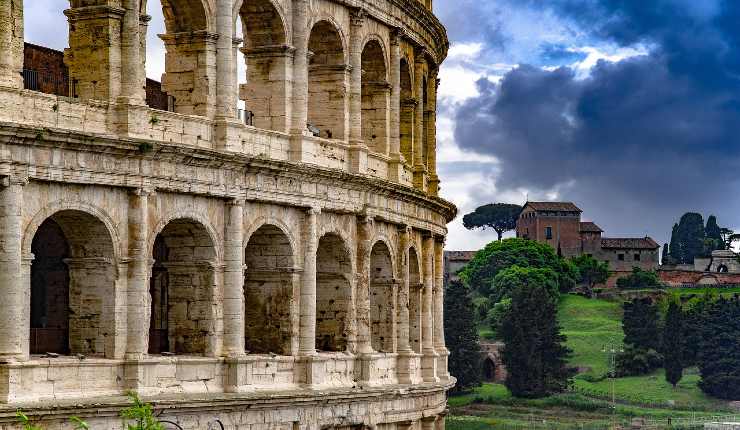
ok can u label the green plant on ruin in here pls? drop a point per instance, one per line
(145, 147)
(154, 120)
(141, 414)
(25, 421)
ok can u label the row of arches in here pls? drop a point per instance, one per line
(189, 42)
(75, 291)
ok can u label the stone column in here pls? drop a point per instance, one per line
(396, 165)
(428, 423)
(234, 280)
(300, 67)
(138, 300)
(307, 341)
(441, 421)
(132, 72)
(418, 162)
(362, 304)
(15, 293)
(433, 183)
(439, 330)
(404, 237)
(429, 358)
(235, 44)
(11, 43)
(224, 51)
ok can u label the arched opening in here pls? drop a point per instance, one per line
(415, 297)
(73, 291)
(489, 370)
(188, 80)
(328, 78)
(722, 269)
(269, 62)
(41, 50)
(375, 98)
(333, 293)
(382, 299)
(270, 284)
(408, 105)
(183, 290)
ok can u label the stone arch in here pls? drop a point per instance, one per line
(271, 286)
(269, 60)
(183, 288)
(333, 293)
(382, 298)
(73, 285)
(489, 369)
(195, 217)
(415, 300)
(190, 51)
(277, 223)
(239, 6)
(408, 106)
(328, 80)
(375, 96)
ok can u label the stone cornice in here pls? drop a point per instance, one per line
(114, 146)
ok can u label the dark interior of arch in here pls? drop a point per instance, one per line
(381, 299)
(184, 15)
(268, 292)
(415, 299)
(262, 24)
(406, 123)
(333, 294)
(182, 289)
(325, 45)
(72, 283)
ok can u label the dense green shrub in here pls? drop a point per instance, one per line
(639, 279)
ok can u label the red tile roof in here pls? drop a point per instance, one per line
(553, 206)
(590, 227)
(629, 243)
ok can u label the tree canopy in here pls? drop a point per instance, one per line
(499, 216)
(497, 256)
(461, 335)
(590, 271)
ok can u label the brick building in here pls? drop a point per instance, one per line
(559, 225)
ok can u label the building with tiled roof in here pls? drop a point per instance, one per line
(559, 225)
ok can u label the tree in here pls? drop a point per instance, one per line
(512, 278)
(461, 335)
(534, 353)
(689, 236)
(590, 271)
(499, 216)
(641, 338)
(673, 343)
(496, 256)
(719, 356)
(676, 253)
(712, 230)
(639, 279)
(729, 237)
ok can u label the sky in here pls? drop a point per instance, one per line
(630, 109)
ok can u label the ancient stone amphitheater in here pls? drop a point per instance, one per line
(285, 274)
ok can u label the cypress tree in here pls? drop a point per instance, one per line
(675, 250)
(461, 335)
(673, 343)
(719, 357)
(664, 258)
(641, 338)
(691, 236)
(534, 355)
(712, 230)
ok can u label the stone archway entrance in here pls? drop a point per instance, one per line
(72, 286)
(183, 288)
(382, 299)
(333, 294)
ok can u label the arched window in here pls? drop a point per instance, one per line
(381, 299)
(408, 106)
(269, 62)
(73, 286)
(375, 98)
(333, 293)
(328, 78)
(415, 300)
(182, 288)
(269, 287)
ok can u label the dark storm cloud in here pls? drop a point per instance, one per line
(658, 134)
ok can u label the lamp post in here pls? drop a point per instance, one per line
(612, 348)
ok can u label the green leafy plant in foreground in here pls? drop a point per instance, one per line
(25, 421)
(142, 414)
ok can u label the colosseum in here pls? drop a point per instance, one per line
(283, 272)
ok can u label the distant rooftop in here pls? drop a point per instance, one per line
(590, 227)
(554, 206)
(629, 243)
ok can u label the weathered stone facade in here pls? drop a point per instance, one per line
(264, 276)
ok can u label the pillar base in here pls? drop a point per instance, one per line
(420, 178)
(429, 366)
(314, 370)
(301, 149)
(443, 355)
(227, 132)
(433, 185)
(358, 157)
(396, 171)
(408, 368)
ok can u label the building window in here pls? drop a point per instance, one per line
(548, 232)
(620, 257)
(637, 257)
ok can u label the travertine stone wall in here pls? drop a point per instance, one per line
(259, 258)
